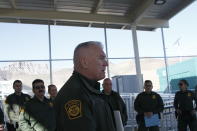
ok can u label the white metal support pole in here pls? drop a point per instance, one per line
(106, 49)
(50, 61)
(137, 58)
(166, 62)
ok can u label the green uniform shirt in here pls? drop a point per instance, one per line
(13, 105)
(184, 100)
(148, 102)
(38, 115)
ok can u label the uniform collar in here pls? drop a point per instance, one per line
(184, 90)
(91, 85)
(52, 98)
(36, 99)
(112, 92)
(18, 95)
(149, 93)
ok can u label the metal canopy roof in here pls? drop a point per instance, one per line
(119, 14)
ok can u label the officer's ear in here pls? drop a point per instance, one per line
(84, 62)
(14, 86)
(33, 90)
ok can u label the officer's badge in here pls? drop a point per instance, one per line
(50, 104)
(73, 109)
(189, 94)
(153, 97)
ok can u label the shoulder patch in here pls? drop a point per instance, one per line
(73, 109)
(189, 94)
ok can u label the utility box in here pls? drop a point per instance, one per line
(127, 83)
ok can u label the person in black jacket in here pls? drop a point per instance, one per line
(38, 113)
(79, 104)
(185, 111)
(115, 100)
(146, 104)
(13, 103)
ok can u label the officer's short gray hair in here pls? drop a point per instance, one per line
(84, 45)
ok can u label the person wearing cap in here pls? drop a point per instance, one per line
(79, 104)
(38, 113)
(13, 104)
(115, 100)
(147, 104)
(52, 90)
(185, 111)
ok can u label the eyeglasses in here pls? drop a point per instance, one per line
(180, 84)
(39, 87)
(148, 85)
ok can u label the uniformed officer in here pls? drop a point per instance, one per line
(146, 104)
(115, 100)
(79, 105)
(38, 113)
(52, 90)
(185, 111)
(13, 104)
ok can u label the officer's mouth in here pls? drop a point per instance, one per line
(41, 91)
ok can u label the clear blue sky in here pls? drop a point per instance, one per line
(21, 41)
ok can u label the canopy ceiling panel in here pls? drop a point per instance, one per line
(118, 14)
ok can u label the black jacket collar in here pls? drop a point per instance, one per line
(91, 85)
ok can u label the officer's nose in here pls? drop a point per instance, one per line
(105, 62)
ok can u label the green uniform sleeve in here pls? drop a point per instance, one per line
(176, 101)
(12, 113)
(23, 122)
(123, 109)
(6, 108)
(73, 113)
(28, 123)
(137, 106)
(195, 99)
(160, 105)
